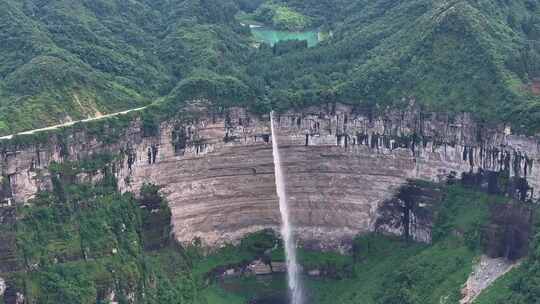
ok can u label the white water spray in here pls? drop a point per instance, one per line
(293, 274)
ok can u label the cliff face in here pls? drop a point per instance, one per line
(340, 164)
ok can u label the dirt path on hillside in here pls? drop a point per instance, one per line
(67, 124)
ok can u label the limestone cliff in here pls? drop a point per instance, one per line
(341, 163)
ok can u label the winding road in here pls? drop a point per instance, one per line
(70, 123)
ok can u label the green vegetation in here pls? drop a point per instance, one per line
(82, 243)
(522, 284)
(449, 55)
(69, 60)
(280, 16)
(65, 60)
(386, 270)
(390, 270)
(501, 290)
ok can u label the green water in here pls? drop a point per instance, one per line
(271, 36)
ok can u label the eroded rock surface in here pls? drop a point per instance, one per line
(410, 213)
(340, 162)
(487, 271)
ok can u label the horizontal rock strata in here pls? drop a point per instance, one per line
(340, 164)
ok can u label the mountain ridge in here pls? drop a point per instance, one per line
(454, 56)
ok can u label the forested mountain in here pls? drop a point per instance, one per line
(475, 56)
(145, 209)
(64, 60)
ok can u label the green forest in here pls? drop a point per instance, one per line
(84, 243)
(68, 60)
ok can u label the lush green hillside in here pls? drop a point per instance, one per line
(84, 243)
(66, 60)
(476, 56)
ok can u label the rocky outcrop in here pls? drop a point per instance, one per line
(340, 162)
(509, 231)
(484, 274)
(410, 213)
(259, 267)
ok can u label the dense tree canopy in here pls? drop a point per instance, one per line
(64, 60)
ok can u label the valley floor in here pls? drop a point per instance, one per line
(388, 270)
(85, 244)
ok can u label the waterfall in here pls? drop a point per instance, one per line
(293, 275)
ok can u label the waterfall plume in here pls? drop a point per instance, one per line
(293, 271)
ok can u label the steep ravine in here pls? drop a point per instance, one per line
(341, 163)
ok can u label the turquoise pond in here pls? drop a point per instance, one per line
(272, 36)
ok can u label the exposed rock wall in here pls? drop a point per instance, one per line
(410, 213)
(340, 163)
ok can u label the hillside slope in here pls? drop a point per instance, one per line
(475, 56)
(67, 60)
